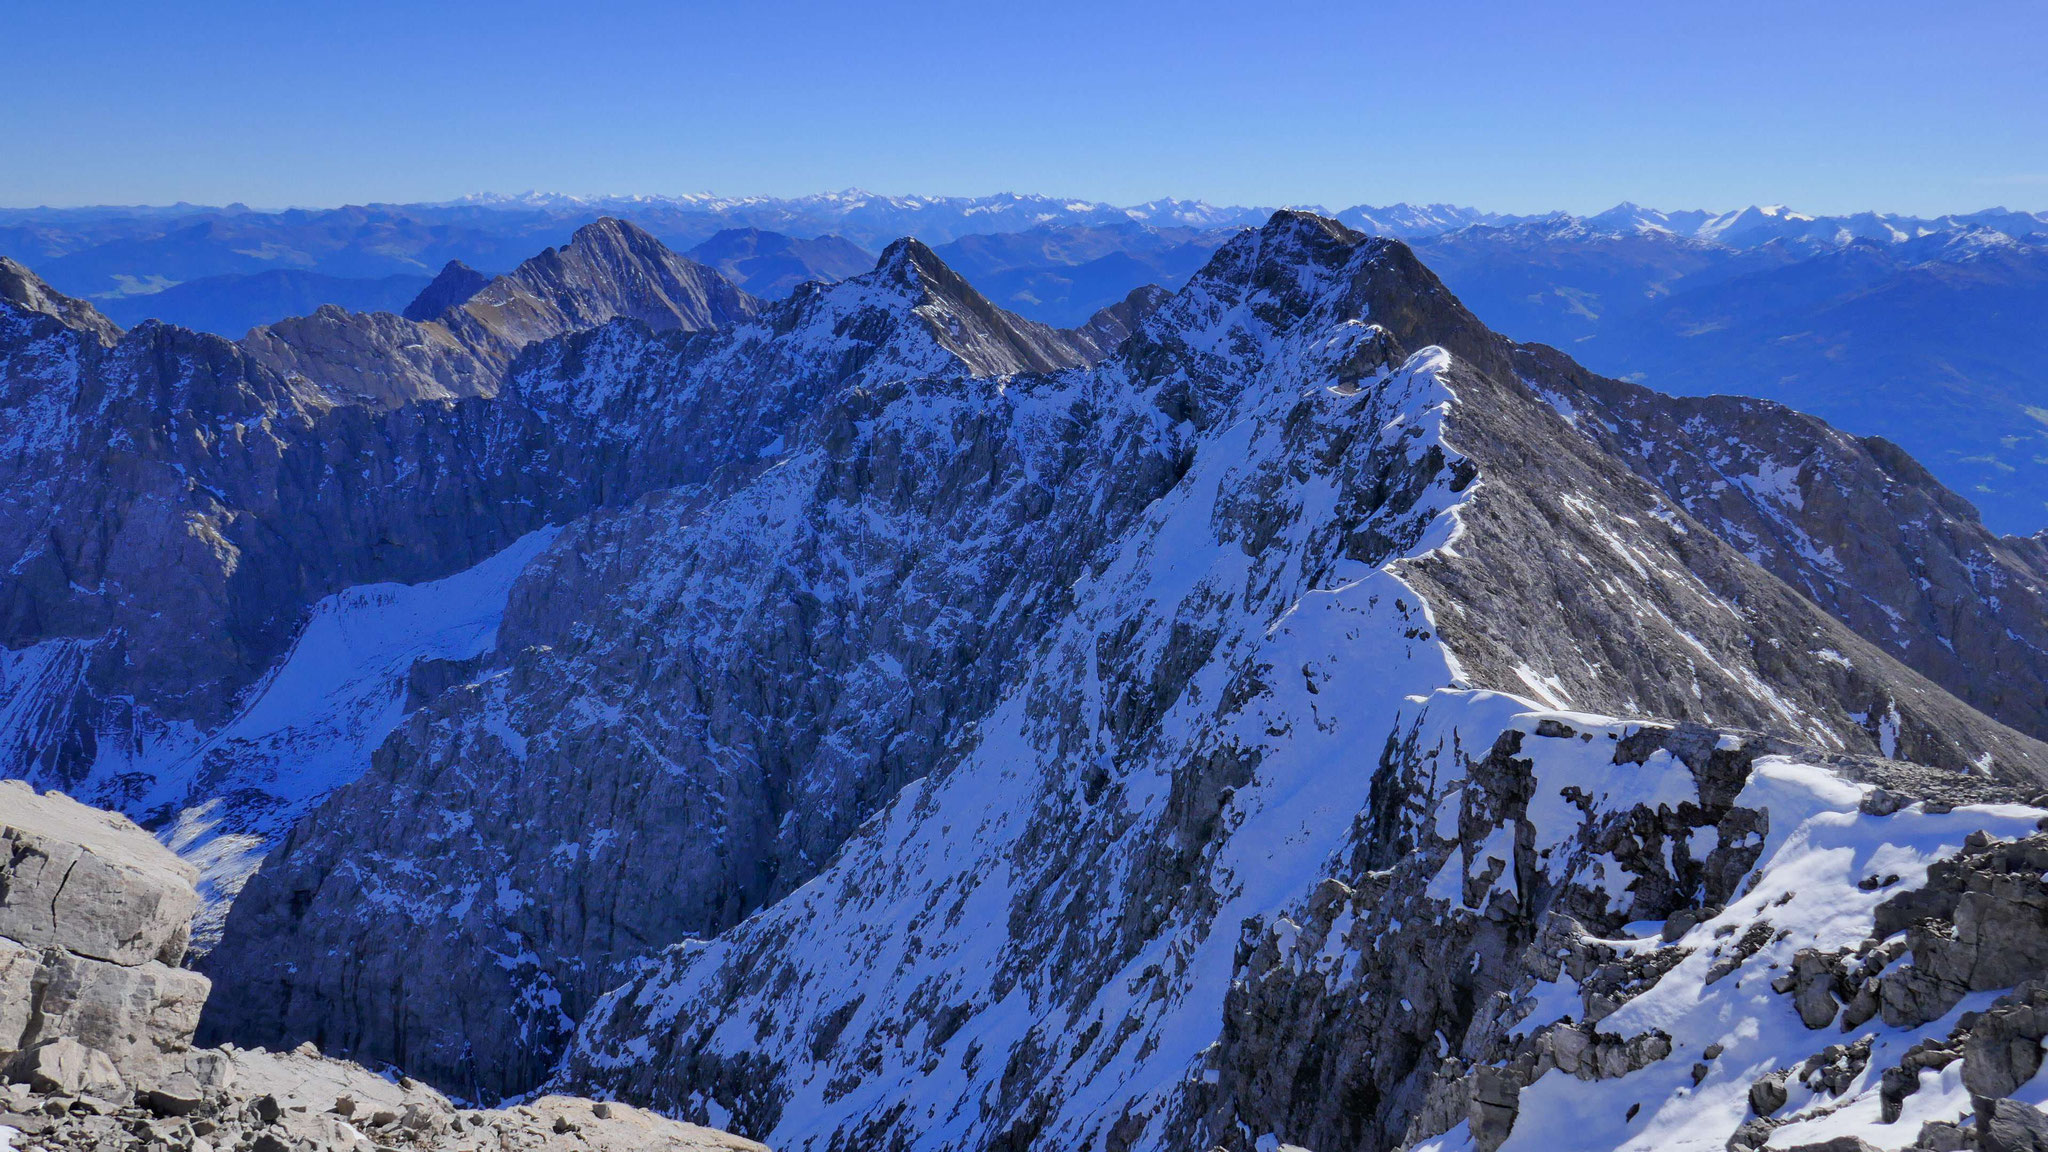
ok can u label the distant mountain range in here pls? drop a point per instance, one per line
(1924, 330)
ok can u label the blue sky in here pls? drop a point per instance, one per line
(1515, 107)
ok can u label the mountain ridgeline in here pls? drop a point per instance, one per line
(872, 718)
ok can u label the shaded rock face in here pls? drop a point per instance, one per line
(451, 288)
(609, 270)
(94, 916)
(1980, 924)
(152, 588)
(1857, 526)
(23, 292)
(1926, 1075)
(752, 665)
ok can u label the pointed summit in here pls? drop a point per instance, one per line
(1302, 269)
(990, 341)
(608, 269)
(454, 286)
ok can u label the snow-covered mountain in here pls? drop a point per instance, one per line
(1281, 711)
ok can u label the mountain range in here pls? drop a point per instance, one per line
(1274, 711)
(1920, 330)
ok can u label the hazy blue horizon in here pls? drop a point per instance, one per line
(386, 202)
(1826, 107)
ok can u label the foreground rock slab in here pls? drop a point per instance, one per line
(96, 1026)
(300, 1100)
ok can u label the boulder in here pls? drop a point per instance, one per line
(94, 917)
(66, 1067)
(2010, 1126)
(89, 882)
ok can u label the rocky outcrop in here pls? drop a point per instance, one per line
(779, 705)
(22, 291)
(919, 561)
(1162, 796)
(1980, 924)
(1964, 924)
(300, 1101)
(96, 1025)
(94, 918)
(1106, 331)
(609, 270)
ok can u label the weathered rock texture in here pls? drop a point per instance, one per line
(94, 918)
(300, 1101)
(1856, 525)
(1378, 516)
(608, 270)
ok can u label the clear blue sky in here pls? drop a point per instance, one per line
(1924, 107)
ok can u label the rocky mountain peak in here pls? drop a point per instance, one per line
(452, 288)
(26, 291)
(912, 281)
(609, 269)
(1275, 293)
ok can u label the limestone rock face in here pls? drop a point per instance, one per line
(94, 914)
(462, 333)
(89, 882)
(24, 292)
(94, 1048)
(1856, 525)
(300, 1100)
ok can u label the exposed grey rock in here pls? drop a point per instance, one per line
(1941, 1136)
(108, 1052)
(22, 290)
(286, 1105)
(143, 1016)
(609, 270)
(452, 287)
(1981, 923)
(1767, 1094)
(1855, 524)
(1813, 989)
(89, 882)
(2012, 1126)
(1494, 1100)
(65, 1067)
(91, 910)
(815, 551)
(2002, 1049)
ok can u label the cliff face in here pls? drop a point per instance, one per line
(884, 719)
